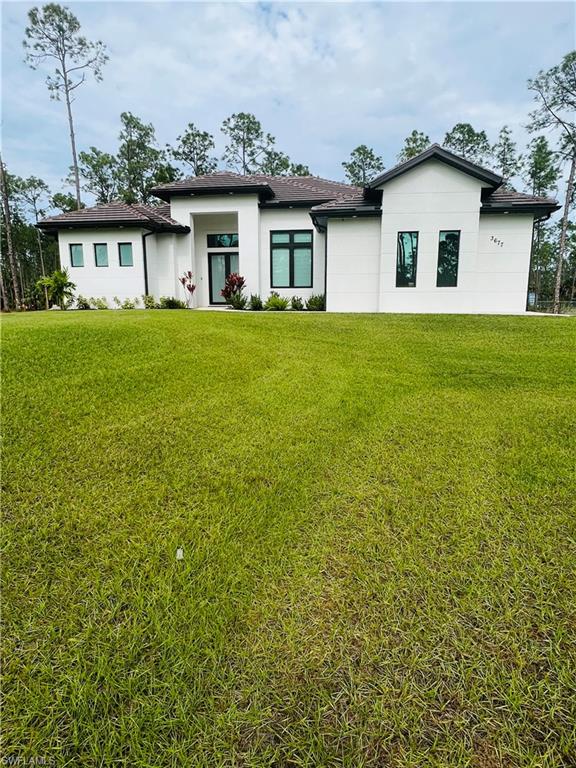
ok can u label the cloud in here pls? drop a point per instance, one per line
(322, 77)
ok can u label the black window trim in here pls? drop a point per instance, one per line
(120, 254)
(224, 247)
(107, 255)
(70, 246)
(291, 245)
(408, 232)
(458, 262)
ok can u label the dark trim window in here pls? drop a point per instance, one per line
(448, 255)
(101, 254)
(291, 258)
(229, 240)
(406, 259)
(125, 256)
(76, 255)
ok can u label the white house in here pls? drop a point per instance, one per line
(434, 234)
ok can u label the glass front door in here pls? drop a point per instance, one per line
(220, 265)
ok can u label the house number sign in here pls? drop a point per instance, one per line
(497, 241)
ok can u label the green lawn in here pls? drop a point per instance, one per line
(378, 522)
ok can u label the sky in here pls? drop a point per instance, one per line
(322, 77)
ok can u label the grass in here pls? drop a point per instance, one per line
(377, 517)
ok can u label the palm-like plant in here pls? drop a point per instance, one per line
(59, 287)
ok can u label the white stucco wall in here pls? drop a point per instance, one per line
(290, 218)
(353, 265)
(110, 281)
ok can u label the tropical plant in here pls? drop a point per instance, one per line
(296, 303)
(98, 303)
(276, 303)
(316, 303)
(189, 287)
(233, 289)
(169, 302)
(149, 302)
(130, 303)
(255, 303)
(83, 303)
(59, 286)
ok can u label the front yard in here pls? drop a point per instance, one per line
(377, 515)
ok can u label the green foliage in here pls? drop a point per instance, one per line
(276, 303)
(541, 169)
(377, 518)
(299, 169)
(193, 148)
(99, 171)
(238, 301)
(169, 302)
(364, 164)
(275, 163)
(509, 162)
(255, 303)
(296, 303)
(64, 202)
(83, 303)
(555, 96)
(247, 143)
(59, 286)
(149, 302)
(130, 303)
(414, 145)
(97, 303)
(316, 303)
(473, 145)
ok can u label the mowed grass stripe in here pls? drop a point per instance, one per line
(377, 516)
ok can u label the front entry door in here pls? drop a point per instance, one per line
(220, 265)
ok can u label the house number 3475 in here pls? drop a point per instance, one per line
(496, 240)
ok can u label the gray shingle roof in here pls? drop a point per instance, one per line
(156, 218)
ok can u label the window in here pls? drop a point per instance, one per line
(406, 259)
(101, 254)
(223, 241)
(125, 255)
(448, 253)
(291, 259)
(76, 255)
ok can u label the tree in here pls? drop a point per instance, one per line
(247, 143)
(275, 163)
(59, 287)
(54, 34)
(32, 191)
(64, 202)
(508, 160)
(414, 144)
(140, 164)
(7, 229)
(299, 169)
(364, 164)
(473, 145)
(555, 95)
(194, 148)
(99, 170)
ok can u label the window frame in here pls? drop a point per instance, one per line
(291, 246)
(120, 254)
(107, 256)
(408, 232)
(75, 245)
(440, 231)
(220, 234)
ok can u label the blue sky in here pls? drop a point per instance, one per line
(321, 77)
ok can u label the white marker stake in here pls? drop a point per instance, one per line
(179, 554)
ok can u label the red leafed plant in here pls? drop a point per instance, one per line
(233, 286)
(189, 287)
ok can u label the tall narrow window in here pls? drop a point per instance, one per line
(291, 259)
(101, 254)
(406, 259)
(448, 254)
(76, 255)
(125, 255)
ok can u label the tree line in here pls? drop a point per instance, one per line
(53, 36)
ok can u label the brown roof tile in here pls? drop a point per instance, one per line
(116, 214)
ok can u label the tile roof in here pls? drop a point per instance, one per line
(507, 198)
(116, 214)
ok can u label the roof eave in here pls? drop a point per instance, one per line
(262, 190)
(55, 226)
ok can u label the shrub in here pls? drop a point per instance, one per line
(316, 303)
(130, 303)
(233, 291)
(116, 301)
(255, 303)
(169, 302)
(276, 303)
(149, 302)
(297, 303)
(98, 303)
(83, 303)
